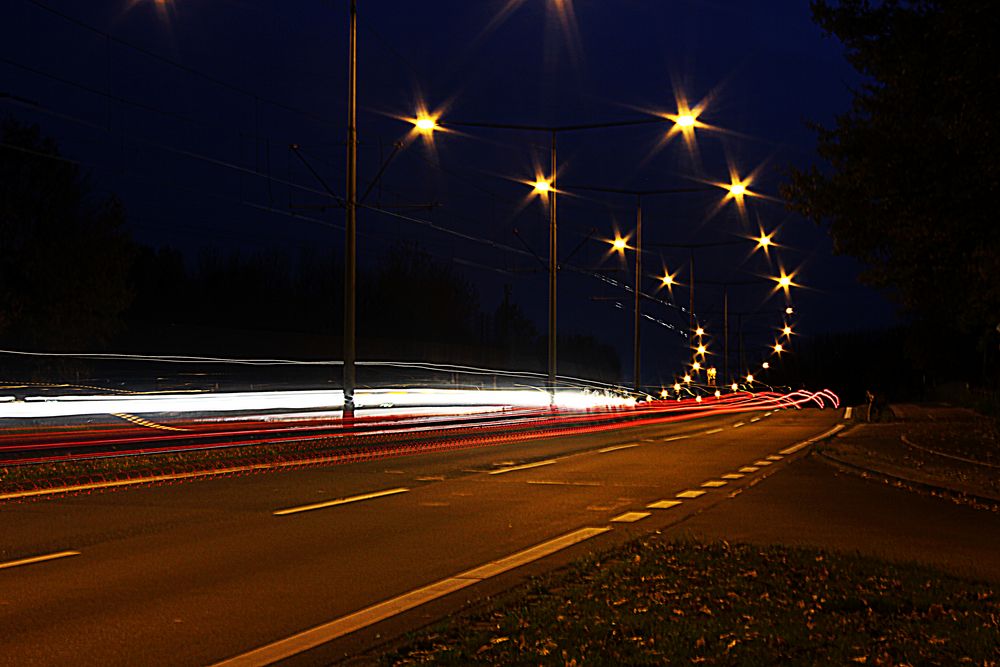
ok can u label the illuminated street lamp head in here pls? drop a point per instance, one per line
(787, 330)
(542, 186)
(734, 386)
(702, 349)
(789, 310)
(778, 348)
(668, 280)
(699, 332)
(718, 394)
(618, 245)
(784, 281)
(765, 365)
(677, 386)
(737, 189)
(684, 120)
(697, 399)
(687, 377)
(664, 393)
(764, 241)
(750, 377)
(426, 124)
(696, 366)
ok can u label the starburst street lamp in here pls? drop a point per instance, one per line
(619, 245)
(425, 124)
(541, 187)
(778, 348)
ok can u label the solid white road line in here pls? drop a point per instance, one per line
(663, 504)
(523, 467)
(690, 493)
(806, 443)
(617, 447)
(339, 501)
(630, 517)
(38, 559)
(285, 648)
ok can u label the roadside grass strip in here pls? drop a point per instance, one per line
(38, 559)
(339, 501)
(656, 602)
(321, 634)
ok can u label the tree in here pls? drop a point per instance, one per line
(64, 257)
(913, 178)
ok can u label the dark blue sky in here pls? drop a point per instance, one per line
(199, 152)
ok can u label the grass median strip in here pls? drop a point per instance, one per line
(652, 601)
(339, 501)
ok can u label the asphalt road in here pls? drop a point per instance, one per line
(199, 572)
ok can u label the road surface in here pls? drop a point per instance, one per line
(202, 572)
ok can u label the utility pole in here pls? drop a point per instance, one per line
(636, 349)
(350, 349)
(553, 268)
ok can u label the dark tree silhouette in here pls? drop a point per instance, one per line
(913, 178)
(64, 257)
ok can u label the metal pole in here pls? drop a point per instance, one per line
(725, 331)
(691, 291)
(739, 327)
(553, 268)
(638, 284)
(350, 351)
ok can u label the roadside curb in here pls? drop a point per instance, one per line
(980, 502)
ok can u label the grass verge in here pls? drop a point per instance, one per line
(657, 602)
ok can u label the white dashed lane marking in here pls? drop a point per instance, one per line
(663, 504)
(690, 493)
(714, 430)
(615, 448)
(526, 466)
(733, 475)
(630, 517)
(738, 424)
(774, 457)
(714, 484)
(676, 437)
(748, 469)
(339, 501)
(762, 462)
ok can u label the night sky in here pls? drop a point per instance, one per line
(192, 130)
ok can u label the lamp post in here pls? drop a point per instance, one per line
(637, 284)
(548, 188)
(350, 348)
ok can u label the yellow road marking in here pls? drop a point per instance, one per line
(321, 634)
(38, 559)
(139, 421)
(339, 501)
